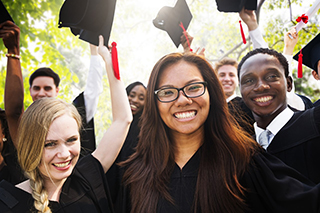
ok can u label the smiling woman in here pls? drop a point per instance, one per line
(48, 152)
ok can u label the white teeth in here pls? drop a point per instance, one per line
(133, 106)
(263, 99)
(61, 164)
(185, 114)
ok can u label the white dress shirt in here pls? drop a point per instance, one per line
(275, 125)
(93, 87)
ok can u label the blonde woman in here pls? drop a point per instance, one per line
(49, 149)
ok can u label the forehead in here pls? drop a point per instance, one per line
(227, 69)
(259, 62)
(179, 74)
(62, 127)
(43, 81)
(138, 89)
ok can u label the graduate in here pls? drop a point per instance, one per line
(291, 136)
(49, 149)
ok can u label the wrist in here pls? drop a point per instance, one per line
(11, 55)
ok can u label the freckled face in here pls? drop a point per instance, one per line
(184, 115)
(263, 85)
(43, 86)
(62, 149)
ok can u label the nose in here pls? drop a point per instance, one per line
(42, 93)
(63, 151)
(261, 86)
(226, 78)
(182, 99)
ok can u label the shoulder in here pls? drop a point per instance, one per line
(13, 199)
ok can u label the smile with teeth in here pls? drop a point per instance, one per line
(263, 99)
(61, 165)
(189, 114)
(133, 106)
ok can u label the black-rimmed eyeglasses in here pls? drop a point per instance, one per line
(192, 90)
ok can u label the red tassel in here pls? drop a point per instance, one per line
(114, 57)
(184, 30)
(300, 65)
(242, 33)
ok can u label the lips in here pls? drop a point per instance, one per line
(62, 165)
(183, 115)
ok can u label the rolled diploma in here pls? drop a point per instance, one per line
(313, 9)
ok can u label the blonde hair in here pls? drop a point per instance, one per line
(33, 129)
(225, 61)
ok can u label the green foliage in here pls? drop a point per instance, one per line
(44, 44)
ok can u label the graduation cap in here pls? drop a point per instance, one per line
(169, 19)
(4, 15)
(88, 19)
(310, 54)
(236, 5)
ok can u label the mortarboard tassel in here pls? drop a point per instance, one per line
(242, 33)
(114, 57)
(300, 65)
(185, 34)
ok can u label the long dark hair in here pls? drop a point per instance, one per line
(225, 152)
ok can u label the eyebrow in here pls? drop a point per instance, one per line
(188, 82)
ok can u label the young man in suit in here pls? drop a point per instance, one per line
(291, 136)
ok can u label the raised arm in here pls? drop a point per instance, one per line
(289, 43)
(14, 92)
(112, 141)
(250, 19)
(185, 45)
(94, 84)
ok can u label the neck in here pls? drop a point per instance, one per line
(2, 163)
(53, 189)
(264, 120)
(186, 145)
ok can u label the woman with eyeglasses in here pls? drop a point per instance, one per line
(192, 157)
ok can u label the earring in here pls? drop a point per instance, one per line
(4, 139)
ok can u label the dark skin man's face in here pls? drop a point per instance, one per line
(263, 87)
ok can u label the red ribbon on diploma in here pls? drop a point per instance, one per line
(114, 57)
(303, 18)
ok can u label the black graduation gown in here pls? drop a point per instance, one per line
(115, 173)
(298, 143)
(271, 186)
(12, 171)
(84, 191)
(243, 115)
(317, 103)
(87, 135)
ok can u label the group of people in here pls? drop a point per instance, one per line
(179, 145)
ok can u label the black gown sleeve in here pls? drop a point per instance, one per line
(88, 141)
(272, 186)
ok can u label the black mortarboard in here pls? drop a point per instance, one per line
(236, 5)
(169, 19)
(4, 15)
(88, 18)
(311, 54)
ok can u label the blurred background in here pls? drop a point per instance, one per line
(140, 44)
